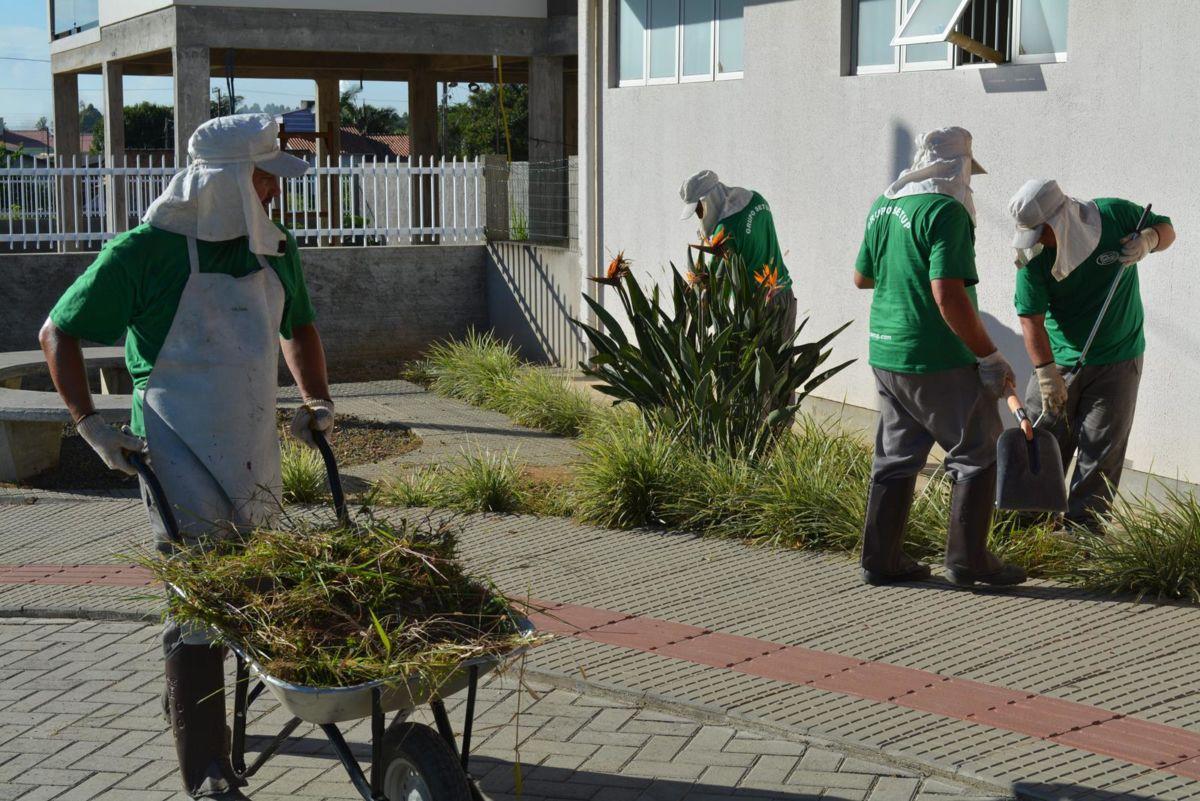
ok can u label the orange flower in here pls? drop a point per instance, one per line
(769, 278)
(695, 279)
(618, 268)
(718, 239)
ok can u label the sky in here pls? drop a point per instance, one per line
(25, 76)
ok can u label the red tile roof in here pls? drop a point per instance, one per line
(35, 141)
(357, 144)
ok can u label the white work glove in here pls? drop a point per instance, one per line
(111, 445)
(1136, 247)
(1053, 388)
(996, 373)
(314, 415)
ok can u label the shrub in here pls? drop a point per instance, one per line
(478, 482)
(545, 399)
(476, 369)
(1151, 547)
(628, 472)
(713, 363)
(303, 473)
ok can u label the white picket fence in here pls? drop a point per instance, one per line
(358, 202)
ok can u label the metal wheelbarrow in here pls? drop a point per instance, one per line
(409, 761)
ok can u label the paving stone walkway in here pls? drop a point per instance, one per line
(80, 718)
(1124, 675)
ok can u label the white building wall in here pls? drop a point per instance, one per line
(1120, 118)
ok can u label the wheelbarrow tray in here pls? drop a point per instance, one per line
(337, 704)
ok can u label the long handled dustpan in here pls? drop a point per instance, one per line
(1029, 468)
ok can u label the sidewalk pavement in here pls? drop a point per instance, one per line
(81, 719)
(1045, 691)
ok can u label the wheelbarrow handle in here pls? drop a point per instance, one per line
(1018, 410)
(332, 474)
(138, 460)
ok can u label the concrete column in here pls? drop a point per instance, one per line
(423, 143)
(66, 146)
(495, 187)
(192, 104)
(114, 143)
(547, 170)
(591, 18)
(328, 116)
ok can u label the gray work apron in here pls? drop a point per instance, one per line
(209, 406)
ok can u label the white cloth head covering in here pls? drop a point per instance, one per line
(943, 165)
(1076, 223)
(719, 200)
(214, 198)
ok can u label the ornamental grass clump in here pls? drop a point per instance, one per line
(303, 473)
(337, 605)
(477, 369)
(1151, 547)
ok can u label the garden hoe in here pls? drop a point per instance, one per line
(1029, 474)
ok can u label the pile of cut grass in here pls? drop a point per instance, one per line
(337, 605)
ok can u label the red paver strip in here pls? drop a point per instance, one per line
(1137, 741)
(76, 575)
(958, 698)
(717, 649)
(797, 665)
(644, 633)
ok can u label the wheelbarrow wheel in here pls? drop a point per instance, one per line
(418, 765)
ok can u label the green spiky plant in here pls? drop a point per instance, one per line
(713, 363)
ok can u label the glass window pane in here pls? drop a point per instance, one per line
(876, 26)
(75, 15)
(1043, 26)
(729, 36)
(664, 20)
(697, 37)
(925, 52)
(932, 18)
(632, 40)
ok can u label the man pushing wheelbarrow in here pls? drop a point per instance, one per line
(203, 291)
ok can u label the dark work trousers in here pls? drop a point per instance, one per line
(1095, 431)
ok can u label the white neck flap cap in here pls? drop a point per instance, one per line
(1076, 224)
(943, 165)
(214, 198)
(719, 200)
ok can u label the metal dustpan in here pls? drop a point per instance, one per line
(1029, 468)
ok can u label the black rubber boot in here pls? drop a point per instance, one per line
(968, 560)
(883, 558)
(196, 697)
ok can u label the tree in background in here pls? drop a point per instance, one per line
(148, 126)
(43, 126)
(477, 127)
(219, 106)
(270, 108)
(368, 119)
(89, 116)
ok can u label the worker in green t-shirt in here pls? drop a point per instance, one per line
(1070, 251)
(937, 371)
(742, 220)
(203, 291)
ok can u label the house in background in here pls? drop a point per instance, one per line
(355, 146)
(808, 102)
(37, 143)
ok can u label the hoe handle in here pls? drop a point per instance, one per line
(1018, 410)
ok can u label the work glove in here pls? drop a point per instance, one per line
(112, 446)
(314, 415)
(1053, 388)
(996, 373)
(1136, 247)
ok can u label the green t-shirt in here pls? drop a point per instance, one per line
(752, 232)
(1072, 305)
(134, 286)
(909, 242)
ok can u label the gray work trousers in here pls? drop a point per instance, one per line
(1095, 431)
(950, 408)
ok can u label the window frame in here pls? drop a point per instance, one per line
(731, 75)
(1015, 56)
(901, 41)
(714, 34)
(900, 61)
